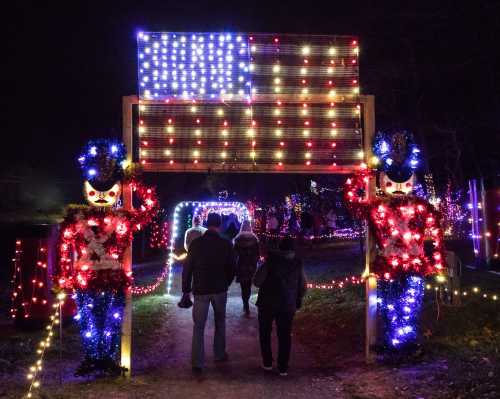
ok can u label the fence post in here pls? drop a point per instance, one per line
(371, 280)
(126, 340)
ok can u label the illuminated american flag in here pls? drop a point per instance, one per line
(248, 101)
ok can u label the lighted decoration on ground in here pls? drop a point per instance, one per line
(346, 233)
(400, 222)
(29, 296)
(92, 243)
(197, 208)
(35, 370)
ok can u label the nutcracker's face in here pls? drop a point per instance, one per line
(101, 199)
(392, 187)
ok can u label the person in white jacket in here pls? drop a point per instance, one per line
(193, 233)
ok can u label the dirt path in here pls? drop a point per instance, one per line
(241, 376)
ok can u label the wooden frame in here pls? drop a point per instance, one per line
(128, 139)
(368, 119)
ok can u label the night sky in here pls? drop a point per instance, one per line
(434, 69)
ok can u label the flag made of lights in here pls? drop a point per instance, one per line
(248, 102)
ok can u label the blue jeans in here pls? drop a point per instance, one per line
(200, 313)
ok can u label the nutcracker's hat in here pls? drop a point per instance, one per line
(398, 154)
(102, 162)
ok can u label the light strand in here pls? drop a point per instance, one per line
(473, 291)
(338, 283)
(147, 289)
(339, 234)
(37, 367)
(19, 297)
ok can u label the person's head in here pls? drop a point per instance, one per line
(246, 226)
(214, 221)
(287, 244)
(196, 221)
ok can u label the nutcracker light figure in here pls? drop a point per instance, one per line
(92, 243)
(401, 224)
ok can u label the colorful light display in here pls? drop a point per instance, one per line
(400, 222)
(484, 219)
(338, 234)
(200, 208)
(92, 249)
(242, 102)
(100, 238)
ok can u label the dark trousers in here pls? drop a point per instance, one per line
(246, 291)
(284, 322)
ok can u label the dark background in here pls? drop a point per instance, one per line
(433, 67)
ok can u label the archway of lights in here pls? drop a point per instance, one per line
(233, 213)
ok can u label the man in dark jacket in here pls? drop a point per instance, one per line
(282, 286)
(208, 273)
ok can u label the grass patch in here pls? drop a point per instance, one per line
(331, 323)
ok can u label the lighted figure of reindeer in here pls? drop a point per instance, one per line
(401, 222)
(92, 244)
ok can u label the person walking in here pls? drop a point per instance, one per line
(208, 273)
(282, 285)
(197, 230)
(246, 245)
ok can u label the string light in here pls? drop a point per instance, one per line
(477, 291)
(336, 284)
(29, 297)
(35, 370)
(339, 234)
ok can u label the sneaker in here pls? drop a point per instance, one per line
(267, 368)
(283, 372)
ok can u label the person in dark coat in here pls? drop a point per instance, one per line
(208, 273)
(282, 285)
(246, 245)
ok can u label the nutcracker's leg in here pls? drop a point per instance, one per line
(400, 302)
(99, 315)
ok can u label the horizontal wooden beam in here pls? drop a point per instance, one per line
(246, 168)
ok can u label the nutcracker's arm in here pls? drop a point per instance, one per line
(435, 233)
(148, 207)
(66, 253)
(355, 193)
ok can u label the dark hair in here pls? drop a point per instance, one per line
(214, 220)
(287, 244)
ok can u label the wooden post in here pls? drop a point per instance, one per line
(371, 281)
(126, 341)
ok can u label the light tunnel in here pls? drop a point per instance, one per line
(185, 211)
